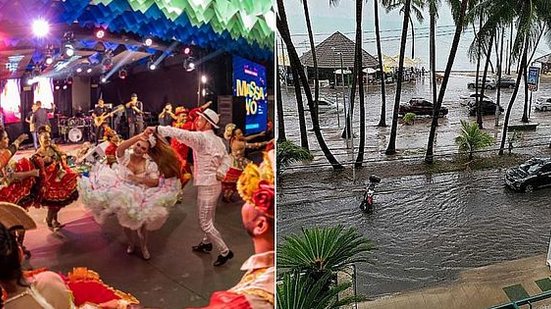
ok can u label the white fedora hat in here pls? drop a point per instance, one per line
(210, 116)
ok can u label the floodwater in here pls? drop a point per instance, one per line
(411, 139)
(426, 228)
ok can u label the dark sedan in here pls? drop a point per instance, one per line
(420, 106)
(487, 108)
(534, 173)
(507, 82)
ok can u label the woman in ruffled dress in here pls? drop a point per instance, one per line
(57, 184)
(238, 144)
(138, 190)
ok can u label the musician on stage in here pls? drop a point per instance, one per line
(40, 119)
(134, 116)
(100, 114)
(32, 128)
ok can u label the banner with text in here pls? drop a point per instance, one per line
(249, 81)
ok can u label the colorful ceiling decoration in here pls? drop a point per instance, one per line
(243, 27)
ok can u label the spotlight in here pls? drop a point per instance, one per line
(56, 87)
(204, 79)
(69, 80)
(64, 87)
(69, 50)
(152, 66)
(49, 60)
(187, 50)
(100, 34)
(89, 70)
(123, 74)
(79, 70)
(148, 42)
(40, 28)
(103, 79)
(189, 65)
(204, 92)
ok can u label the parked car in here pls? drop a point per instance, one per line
(420, 106)
(488, 107)
(490, 84)
(534, 173)
(468, 100)
(507, 82)
(543, 104)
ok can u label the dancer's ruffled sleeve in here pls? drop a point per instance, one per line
(195, 140)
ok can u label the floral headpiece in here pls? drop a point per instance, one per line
(152, 141)
(180, 110)
(256, 185)
(229, 130)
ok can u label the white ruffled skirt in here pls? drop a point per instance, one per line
(105, 193)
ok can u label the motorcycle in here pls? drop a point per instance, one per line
(367, 202)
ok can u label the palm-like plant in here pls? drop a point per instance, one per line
(323, 250)
(283, 28)
(459, 10)
(288, 153)
(433, 12)
(472, 138)
(296, 291)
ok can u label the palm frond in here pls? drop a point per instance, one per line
(322, 250)
(471, 138)
(288, 153)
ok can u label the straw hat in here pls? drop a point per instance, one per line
(210, 116)
(12, 215)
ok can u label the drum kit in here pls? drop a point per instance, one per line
(76, 129)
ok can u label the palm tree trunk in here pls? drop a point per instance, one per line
(300, 109)
(433, 51)
(412, 39)
(391, 149)
(510, 49)
(382, 120)
(453, 50)
(478, 56)
(279, 102)
(525, 111)
(314, 57)
(359, 66)
(480, 124)
(283, 28)
(513, 97)
(499, 74)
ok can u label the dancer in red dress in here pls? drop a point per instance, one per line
(111, 150)
(57, 185)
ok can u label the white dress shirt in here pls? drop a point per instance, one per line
(209, 153)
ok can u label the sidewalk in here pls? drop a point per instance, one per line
(175, 277)
(476, 288)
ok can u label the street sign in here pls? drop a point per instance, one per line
(533, 78)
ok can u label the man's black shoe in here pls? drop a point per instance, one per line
(221, 260)
(201, 247)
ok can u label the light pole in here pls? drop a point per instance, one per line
(336, 95)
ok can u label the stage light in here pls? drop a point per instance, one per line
(56, 87)
(152, 66)
(49, 60)
(148, 42)
(204, 92)
(69, 80)
(103, 79)
(41, 28)
(100, 34)
(64, 87)
(89, 70)
(204, 79)
(69, 50)
(189, 65)
(187, 50)
(123, 74)
(79, 70)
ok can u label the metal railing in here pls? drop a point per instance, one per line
(525, 301)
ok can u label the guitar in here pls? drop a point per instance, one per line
(98, 120)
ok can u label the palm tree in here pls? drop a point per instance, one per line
(484, 75)
(300, 110)
(382, 121)
(459, 10)
(296, 291)
(314, 57)
(391, 149)
(359, 77)
(288, 153)
(433, 11)
(279, 103)
(283, 28)
(322, 250)
(472, 138)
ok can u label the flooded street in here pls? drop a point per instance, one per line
(412, 140)
(426, 228)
